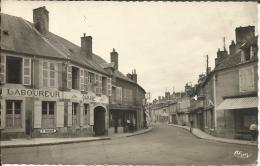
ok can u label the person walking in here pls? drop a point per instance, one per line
(253, 131)
(191, 125)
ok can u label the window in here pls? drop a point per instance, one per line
(85, 80)
(75, 114)
(119, 95)
(98, 84)
(109, 87)
(246, 79)
(104, 86)
(49, 74)
(75, 78)
(85, 113)
(14, 70)
(48, 115)
(13, 114)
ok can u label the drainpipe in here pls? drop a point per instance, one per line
(215, 100)
(32, 125)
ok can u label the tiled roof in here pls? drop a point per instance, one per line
(29, 40)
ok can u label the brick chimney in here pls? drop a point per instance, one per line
(114, 58)
(134, 76)
(220, 56)
(232, 48)
(244, 34)
(86, 46)
(41, 20)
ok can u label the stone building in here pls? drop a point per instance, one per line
(229, 92)
(50, 86)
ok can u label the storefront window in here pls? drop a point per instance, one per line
(48, 117)
(13, 114)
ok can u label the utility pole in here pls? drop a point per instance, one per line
(207, 65)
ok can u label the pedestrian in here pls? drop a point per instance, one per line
(191, 125)
(253, 131)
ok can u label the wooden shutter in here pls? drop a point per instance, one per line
(96, 84)
(26, 71)
(81, 79)
(86, 80)
(3, 110)
(45, 74)
(69, 77)
(69, 113)
(3, 69)
(37, 114)
(119, 94)
(109, 87)
(52, 74)
(91, 115)
(81, 110)
(60, 114)
(100, 84)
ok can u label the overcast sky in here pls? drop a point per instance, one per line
(166, 42)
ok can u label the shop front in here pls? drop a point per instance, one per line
(51, 113)
(236, 115)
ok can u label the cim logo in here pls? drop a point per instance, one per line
(241, 154)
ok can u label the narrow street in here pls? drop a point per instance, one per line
(163, 145)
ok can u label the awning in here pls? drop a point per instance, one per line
(238, 103)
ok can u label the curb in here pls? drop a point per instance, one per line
(143, 132)
(73, 141)
(53, 143)
(216, 140)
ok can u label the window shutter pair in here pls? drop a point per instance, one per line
(26, 71)
(49, 74)
(3, 68)
(3, 110)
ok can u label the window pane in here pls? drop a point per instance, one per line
(26, 62)
(52, 74)
(52, 66)
(45, 65)
(51, 108)
(26, 71)
(9, 107)
(45, 73)
(44, 108)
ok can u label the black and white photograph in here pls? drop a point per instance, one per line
(129, 83)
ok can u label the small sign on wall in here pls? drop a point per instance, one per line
(48, 131)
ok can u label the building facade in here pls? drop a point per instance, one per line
(50, 86)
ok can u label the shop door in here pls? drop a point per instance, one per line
(99, 121)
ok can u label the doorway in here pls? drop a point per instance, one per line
(99, 121)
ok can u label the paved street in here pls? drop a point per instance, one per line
(164, 145)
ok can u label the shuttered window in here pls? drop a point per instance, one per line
(69, 77)
(246, 79)
(2, 69)
(49, 74)
(119, 95)
(26, 71)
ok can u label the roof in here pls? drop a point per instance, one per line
(29, 40)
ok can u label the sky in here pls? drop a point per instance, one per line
(166, 42)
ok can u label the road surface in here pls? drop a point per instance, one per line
(163, 145)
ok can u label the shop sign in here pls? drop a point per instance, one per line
(88, 97)
(31, 93)
(48, 131)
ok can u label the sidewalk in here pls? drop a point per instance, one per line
(200, 134)
(55, 141)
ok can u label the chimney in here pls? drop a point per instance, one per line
(41, 20)
(134, 76)
(86, 46)
(220, 56)
(129, 75)
(232, 48)
(244, 34)
(114, 58)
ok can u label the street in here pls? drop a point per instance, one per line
(163, 145)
